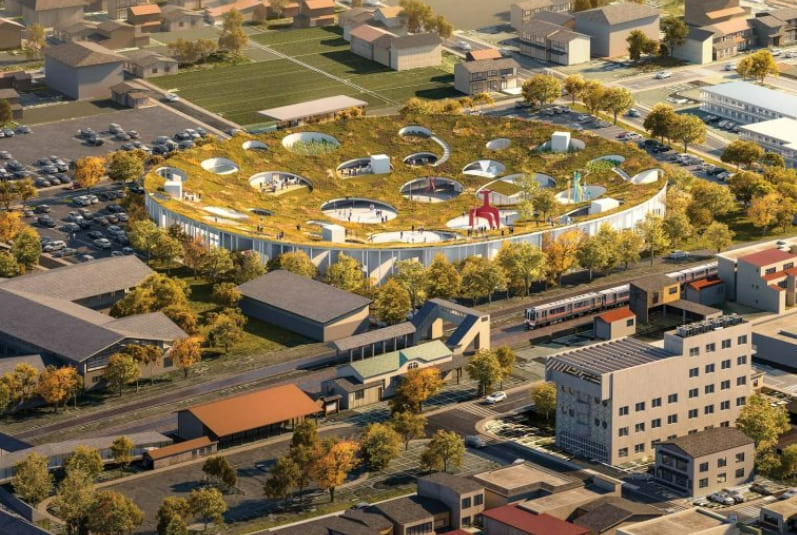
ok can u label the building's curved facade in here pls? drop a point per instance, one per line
(378, 262)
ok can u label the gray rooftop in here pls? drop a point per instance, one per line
(756, 95)
(81, 281)
(47, 5)
(554, 17)
(171, 12)
(82, 54)
(410, 509)
(608, 357)
(618, 13)
(415, 40)
(460, 485)
(482, 65)
(7, 364)
(152, 326)
(536, 27)
(321, 106)
(709, 441)
(374, 337)
(12, 523)
(654, 282)
(540, 4)
(609, 512)
(302, 296)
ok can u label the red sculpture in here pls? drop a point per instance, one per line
(485, 211)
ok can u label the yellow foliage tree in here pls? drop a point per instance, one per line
(89, 171)
(334, 459)
(10, 225)
(186, 353)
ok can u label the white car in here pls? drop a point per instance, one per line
(171, 97)
(463, 45)
(496, 397)
(730, 66)
(721, 497)
(661, 75)
(102, 243)
(776, 52)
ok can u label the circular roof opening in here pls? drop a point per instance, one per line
(172, 173)
(431, 189)
(413, 236)
(499, 143)
(415, 130)
(582, 194)
(219, 166)
(359, 210)
(228, 213)
(484, 168)
(418, 159)
(254, 144)
(278, 182)
(310, 143)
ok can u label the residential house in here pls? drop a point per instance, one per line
(764, 279)
(414, 515)
(11, 96)
(609, 26)
(146, 17)
(708, 12)
(463, 497)
(390, 17)
(698, 47)
(371, 43)
(82, 70)
(118, 9)
(399, 52)
(776, 28)
(553, 43)
(616, 323)
(115, 35)
(512, 520)
(51, 13)
(176, 18)
(315, 13)
(522, 12)
(367, 381)
(487, 75)
(776, 135)
(82, 30)
(703, 379)
(247, 8)
(354, 17)
(732, 37)
(305, 306)
(728, 22)
(19, 80)
(147, 64)
(745, 102)
(707, 461)
(132, 95)
(484, 53)
(10, 34)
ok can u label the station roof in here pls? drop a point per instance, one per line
(373, 337)
(312, 108)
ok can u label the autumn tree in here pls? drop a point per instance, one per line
(655, 238)
(208, 504)
(592, 254)
(10, 225)
(86, 459)
(481, 278)
(246, 266)
(764, 424)
(122, 451)
(296, 262)
(544, 397)
(763, 210)
(718, 236)
(574, 85)
(562, 253)
(14, 191)
(709, 200)
(226, 294)
(186, 353)
(506, 358)
(24, 382)
(444, 279)
(417, 385)
(484, 368)
(32, 481)
(639, 43)
(772, 159)
(89, 171)
(334, 459)
(675, 31)
(746, 184)
(541, 89)
(445, 450)
(232, 38)
(8, 265)
(617, 100)
(408, 425)
(742, 153)
(215, 264)
(145, 355)
(156, 292)
(73, 500)
(219, 470)
(55, 385)
(413, 276)
(688, 129)
(27, 249)
(658, 123)
(392, 303)
(678, 228)
(346, 273)
(112, 513)
(544, 202)
(380, 444)
(593, 96)
(282, 477)
(125, 166)
(523, 263)
(171, 509)
(121, 370)
(744, 67)
(762, 64)
(225, 329)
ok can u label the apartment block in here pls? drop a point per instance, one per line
(486, 75)
(763, 277)
(617, 400)
(553, 43)
(778, 136)
(522, 12)
(777, 27)
(745, 102)
(706, 462)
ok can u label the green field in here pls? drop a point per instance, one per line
(238, 92)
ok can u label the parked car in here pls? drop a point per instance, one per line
(171, 97)
(721, 498)
(95, 234)
(496, 397)
(776, 52)
(42, 209)
(102, 243)
(730, 67)
(788, 494)
(474, 441)
(735, 494)
(633, 113)
(128, 250)
(661, 75)
(678, 255)
(761, 488)
(463, 45)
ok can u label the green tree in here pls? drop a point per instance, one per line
(27, 249)
(763, 210)
(593, 96)
(746, 184)
(112, 513)
(225, 330)
(678, 228)
(304, 444)
(184, 317)
(418, 15)
(417, 385)
(408, 425)
(414, 277)
(574, 85)
(443, 28)
(592, 254)
(216, 264)
(35, 41)
(171, 508)
(333, 460)
(773, 159)
(618, 100)
(718, 236)
(86, 459)
(544, 397)
(73, 500)
(688, 129)
(523, 264)
(506, 358)
(658, 123)
(246, 266)
(485, 369)
(219, 470)
(481, 278)
(763, 64)
(278, 7)
(232, 38)
(445, 450)
(653, 234)
(762, 423)
(740, 152)
(32, 481)
(713, 197)
(297, 262)
(177, 526)
(121, 370)
(144, 236)
(544, 202)
(639, 43)
(226, 294)
(122, 451)
(444, 279)
(788, 461)
(8, 265)
(208, 504)
(392, 303)
(541, 89)
(282, 477)
(125, 166)
(610, 241)
(675, 32)
(346, 273)
(380, 444)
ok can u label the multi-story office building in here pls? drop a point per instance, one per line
(778, 136)
(553, 43)
(522, 12)
(617, 400)
(746, 103)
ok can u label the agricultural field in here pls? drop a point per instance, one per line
(238, 92)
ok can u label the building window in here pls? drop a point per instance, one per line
(726, 423)
(710, 348)
(624, 411)
(420, 529)
(694, 351)
(703, 483)
(726, 343)
(168, 362)
(672, 419)
(726, 364)
(694, 372)
(741, 340)
(656, 422)
(412, 365)
(360, 394)
(623, 431)
(704, 467)
(722, 462)
(708, 409)
(639, 406)
(478, 499)
(622, 452)
(709, 389)
(740, 361)
(741, 380)
(740, 457)
(655, 402)
(692, 413)
(466, 521)
(639, 448)
(740, 401)
(709, 368)
(640, 427)
(629, 323)
(466, 503)
(694, 392)
(672, 398)
(739, 472)
(722, 478)
(725, 385)
(725, 405)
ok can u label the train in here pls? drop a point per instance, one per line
(572, 307)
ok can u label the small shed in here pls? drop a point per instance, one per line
(180, 452)
(614, 324)
(706, 292)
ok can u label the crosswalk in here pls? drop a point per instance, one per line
(478, 409)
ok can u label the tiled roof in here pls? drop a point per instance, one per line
(615, 14)
(415, 40)
(709, 441)
(616, 315)
(145, 9)
(180, 447)
(704, 283)
(531, 524)
(767, 257)
(485, 53)
(83, 54)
